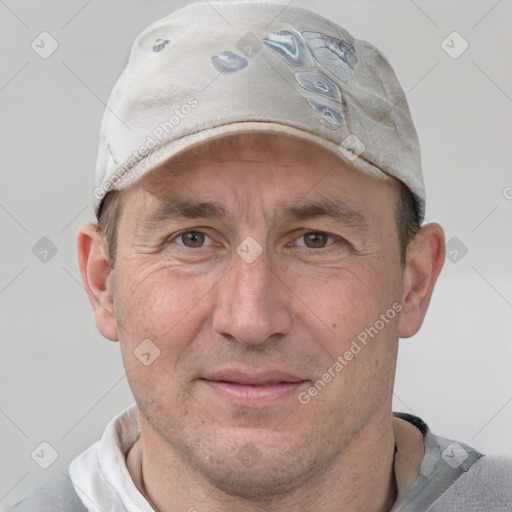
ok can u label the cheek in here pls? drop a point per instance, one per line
(360, 305)
(351, 295)
(159, 322)
(362, 344)
(160, 305)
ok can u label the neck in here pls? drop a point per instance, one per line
(361, 478)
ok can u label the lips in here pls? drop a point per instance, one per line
(246, 378)
(256, 389)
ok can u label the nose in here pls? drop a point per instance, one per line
(253, 303)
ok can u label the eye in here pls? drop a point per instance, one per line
(315, 239)
(198, 239)
(192, 238)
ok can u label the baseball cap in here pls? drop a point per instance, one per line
(222, 67)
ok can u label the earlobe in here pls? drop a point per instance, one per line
(97, 278)
(425, 259)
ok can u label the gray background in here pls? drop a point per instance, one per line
(62, 382)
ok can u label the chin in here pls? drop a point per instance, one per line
(255, 484)
(260, 474)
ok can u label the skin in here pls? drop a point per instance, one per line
(297, 307)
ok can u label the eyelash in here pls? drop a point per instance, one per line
(325, 247)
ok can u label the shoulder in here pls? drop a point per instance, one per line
(487, 486)
(57, 496)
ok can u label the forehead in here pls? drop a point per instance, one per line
(271, 149)
(289, 154)
(264, 167)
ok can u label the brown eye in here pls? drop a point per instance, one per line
(315, 240)
(192, 238)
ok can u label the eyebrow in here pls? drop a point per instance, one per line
(179, 209)
(324, 208)
(302, 210)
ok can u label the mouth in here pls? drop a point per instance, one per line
(259, 385)
(254, 389)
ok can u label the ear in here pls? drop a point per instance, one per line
(97, 278)
(425, 259)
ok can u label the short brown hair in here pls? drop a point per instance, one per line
(108, 221)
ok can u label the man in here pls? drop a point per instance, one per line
(258, 254)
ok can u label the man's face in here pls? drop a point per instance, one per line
(222, 315)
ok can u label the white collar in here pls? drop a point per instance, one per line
(100, 475)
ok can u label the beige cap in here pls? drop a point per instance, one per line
(210, 69)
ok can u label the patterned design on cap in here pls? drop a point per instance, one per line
(345, 89)
(291, 48)
(317, 82)
(335, 54)
(331, 114)
(229, 62)
(160, 44)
